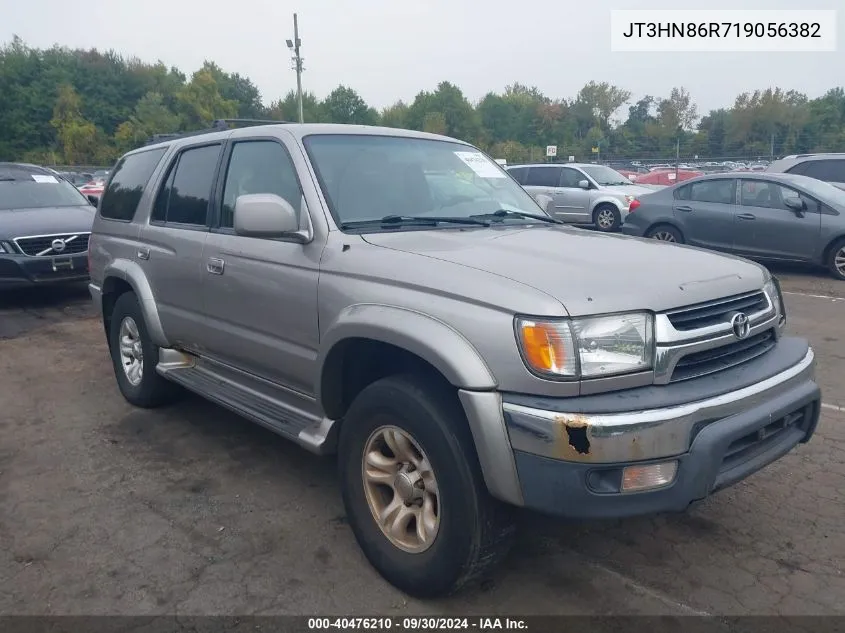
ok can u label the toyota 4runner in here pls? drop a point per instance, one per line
(397, 299)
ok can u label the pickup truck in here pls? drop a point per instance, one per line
(395, 299)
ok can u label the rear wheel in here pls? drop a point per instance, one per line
(606, 217)
(836, 260)
(135, 356)
(666, 233)
(413, 489)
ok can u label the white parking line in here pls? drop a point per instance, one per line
(834, 407)
(804, 294)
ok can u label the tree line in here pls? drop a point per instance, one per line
(86, 107)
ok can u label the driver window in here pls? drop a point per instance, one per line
(259, 167)
(768, 195)
(570, 178)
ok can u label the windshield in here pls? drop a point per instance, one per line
(368, 177)
(605, 176)
(820, 189)
(37, 191)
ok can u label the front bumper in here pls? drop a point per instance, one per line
(570, 463)
(18, 271)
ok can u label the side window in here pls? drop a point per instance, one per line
(570, 178)
(800, 169)
(543, 177)
(519, 174)
(185, 196)
(713, 191)
(769, 195)
(121, 197)
(826, 170)
(259, 167)
(682, 193)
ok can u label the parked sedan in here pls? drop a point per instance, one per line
(44, 227)
(759, 215)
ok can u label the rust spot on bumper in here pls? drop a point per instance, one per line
(572, 434)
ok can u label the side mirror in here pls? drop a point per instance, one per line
(265, 215)
(584, 184)
(796, 204)
(93, 200)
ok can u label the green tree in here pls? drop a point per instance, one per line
(447, 111)
(395, 115)
(200, 102)
(344, 105)
(78, 138)
(150, 117)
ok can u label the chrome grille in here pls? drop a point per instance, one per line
(713, 313)
(48, 245)
(715, 359)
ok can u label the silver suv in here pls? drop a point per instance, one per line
(580, 193)
(827, 167)
(396, 299)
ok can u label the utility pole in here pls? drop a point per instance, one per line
(297, 64)
(772, 149)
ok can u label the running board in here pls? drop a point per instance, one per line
(210, 381)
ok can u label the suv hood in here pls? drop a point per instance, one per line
(46, 221)
(588, 272)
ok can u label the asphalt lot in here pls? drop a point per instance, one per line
(105, 509)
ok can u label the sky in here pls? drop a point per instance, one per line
(391, 49)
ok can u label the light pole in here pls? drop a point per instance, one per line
(297, 64)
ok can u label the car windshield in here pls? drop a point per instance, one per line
(605, 176)
(37, 191)
(368, 177)
(820, 189)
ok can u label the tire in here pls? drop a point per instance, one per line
(151, 390)
(665, 233)
(473, 531)
(836, 260)
(607, 219)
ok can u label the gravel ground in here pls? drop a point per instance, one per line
(105, 509)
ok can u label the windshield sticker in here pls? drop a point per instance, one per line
(45, 179)
(480, 164)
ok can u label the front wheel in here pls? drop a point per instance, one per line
(413, 489)
(606, 218)
(836, 260)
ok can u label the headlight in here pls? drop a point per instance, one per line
(772, 289)
(588, 348)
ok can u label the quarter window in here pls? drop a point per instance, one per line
(185, 196)
(123, 193)
(259, 167)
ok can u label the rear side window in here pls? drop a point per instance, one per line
(121, 197)
(543, 177)
(519, 174)
(186, 193)
(826, 170)
(713, 191)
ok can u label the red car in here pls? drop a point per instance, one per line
(667, 176)
(93, 188)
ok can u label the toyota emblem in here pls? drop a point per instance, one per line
(740, 325)
(58, 245)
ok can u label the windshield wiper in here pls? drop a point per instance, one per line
(504, 213)
(410, 220)
(7, 179)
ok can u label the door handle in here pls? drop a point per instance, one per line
(143, 253)
(685, 209)
(215, 265)
(746, 216)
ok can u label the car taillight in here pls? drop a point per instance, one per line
(634, 204)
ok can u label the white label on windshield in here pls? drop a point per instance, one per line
(44, 179)
(480, 164)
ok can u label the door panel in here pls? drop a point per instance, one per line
(766, 227)
(572, 204)
(706, 211)
(260, 295)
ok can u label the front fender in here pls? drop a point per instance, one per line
(131, 273)
(422, 335)
(605, 199)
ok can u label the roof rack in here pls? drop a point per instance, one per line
(218, 125)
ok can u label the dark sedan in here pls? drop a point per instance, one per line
(44, 227)
(779, 217)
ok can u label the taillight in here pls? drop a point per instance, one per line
(634, 204)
